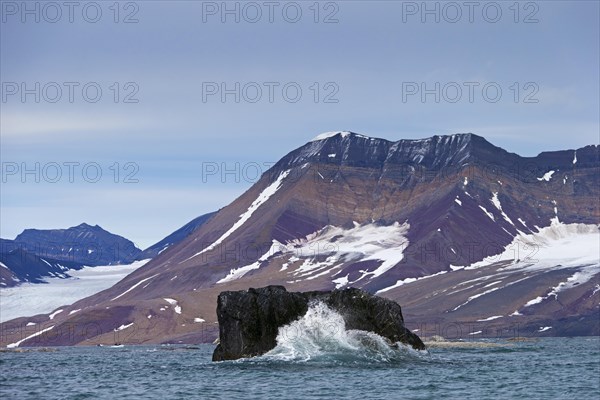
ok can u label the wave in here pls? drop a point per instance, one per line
(321, 335)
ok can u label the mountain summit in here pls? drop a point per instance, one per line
(353, 149)
(84, 243)
(454, 228)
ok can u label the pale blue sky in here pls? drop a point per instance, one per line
(368, 55)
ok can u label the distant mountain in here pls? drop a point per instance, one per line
(175, 237)
(460, 232)
(37, 254)
(83, 244)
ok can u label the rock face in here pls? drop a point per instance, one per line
(249, 320)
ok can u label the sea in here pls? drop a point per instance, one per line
(542, 368)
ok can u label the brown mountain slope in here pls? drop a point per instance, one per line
(348, 210)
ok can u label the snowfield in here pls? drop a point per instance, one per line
(556, 246)
(328, 249)
(30, 299)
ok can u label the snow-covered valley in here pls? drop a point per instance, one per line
(30, 299)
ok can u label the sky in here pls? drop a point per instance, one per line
(140, 116)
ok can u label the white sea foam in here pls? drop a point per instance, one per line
(321, 335)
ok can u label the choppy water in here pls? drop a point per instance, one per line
(548, 368)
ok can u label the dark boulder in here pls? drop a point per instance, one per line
(249, 320)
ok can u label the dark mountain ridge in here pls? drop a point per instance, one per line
(175, 237)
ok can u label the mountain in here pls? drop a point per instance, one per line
(174, 237)
(82, 244)
(472, 240)
(37, 254)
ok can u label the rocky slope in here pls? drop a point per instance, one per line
(454, 228)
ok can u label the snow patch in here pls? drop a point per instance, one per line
(55, 313)
(163, 249)
(544, 329)
(476, 296)
(199, 320)
(17, 344)
(497, 204)
(327, 135)
(489, 214)
(173, 302)
(492, 284)
(556, 246)
(489, 318)
(523, 222)
(578, 278)
(260, 200)
(134, 286)
(237, 273)
(340, 282)
(331, 247)
(547, 176)
(408, 280)
(123, 327)
(537, 300)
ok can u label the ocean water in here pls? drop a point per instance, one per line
(548, 368)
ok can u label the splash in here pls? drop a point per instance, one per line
(321, 335)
